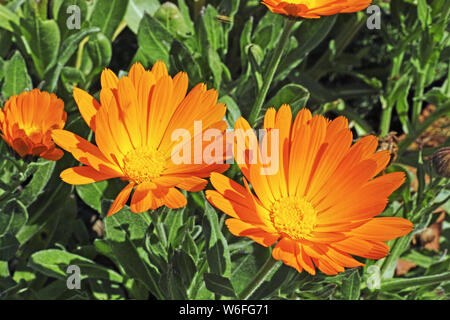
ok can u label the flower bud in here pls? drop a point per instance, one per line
(441, 162)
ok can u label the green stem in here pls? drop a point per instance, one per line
(268, 267)
(271, 69)
(417, 104)
(385, 123)
(386, 115)
(389, 264)
(398, 284)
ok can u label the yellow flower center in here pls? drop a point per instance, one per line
(32, 130)
(143, 165)
(293, 217)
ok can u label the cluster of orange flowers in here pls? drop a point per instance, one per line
(318, 209)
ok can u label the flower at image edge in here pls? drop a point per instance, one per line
(133, 124)
(315, 8)
(319, 208)
(27, 120)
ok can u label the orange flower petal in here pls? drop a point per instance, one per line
(87, 105)
(121, 199)
(383, 229)
(240, 228)
(84, 151)
(83, 175)
(287, 251)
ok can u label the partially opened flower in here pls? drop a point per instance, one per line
(315, 8)
(134, 125)
(27, 120)
(319, 207)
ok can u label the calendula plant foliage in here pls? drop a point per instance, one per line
(381, 80)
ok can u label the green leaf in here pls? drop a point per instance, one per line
(181, 59)
(53, 291)
(171, 18)
(107, 15)
(233, 111)
(68, 48)
(37, 184)
(40, 231)
(279, 277)
(418, 258)
(42, 39)
(136, 10)
(351, 286)
(54, 263)
(263, 37)
(309, 35)
(438, 267)
(293, 94)
(154, 40)
(173, 223)
(8, 285)
(423, 13)
(171, 285)
(7, 18)
(92, 194)
(8, 247)
(274, 21)
(125, 233)
(247, 261)
(245, 40)
(70, 45)
(213, 29)
(106, 290)
(219, 285)
(4, 270)
(12, 217)
(185, 267)
(100, 51)
(256, 56)
(17, 79)
(217, 252)
(229, 9)
(215, 66)
(71, 76)
(63, 17)
(2, 66)
(184, 10)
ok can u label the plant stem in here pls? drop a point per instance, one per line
(386, 115)
(417, 104)
(271, 69)
(398, 284)
(268, 267)
(388, 268)
(385, 122)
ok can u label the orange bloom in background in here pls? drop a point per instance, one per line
(319, 207)
(133, 124)
(27, 120)
(315, 8)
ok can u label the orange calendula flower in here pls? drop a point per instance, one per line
(315, 8)
(320, 205)
(133, 125)
(27, 120)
